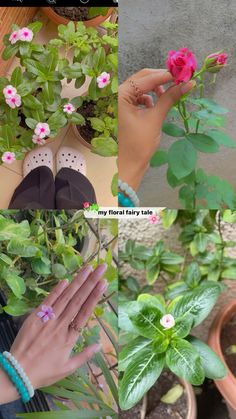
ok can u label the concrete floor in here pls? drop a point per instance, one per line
(147, 33)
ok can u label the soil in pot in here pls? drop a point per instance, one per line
(228, 344)
(73, 13)
(210, 403)
(156, 409)
(87, 110)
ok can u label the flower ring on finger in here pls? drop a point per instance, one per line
(74, 326)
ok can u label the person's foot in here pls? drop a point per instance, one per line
(72, 159)
(41, 156)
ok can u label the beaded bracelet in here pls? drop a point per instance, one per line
(20, 372)
(124, 187)
(124, 201)
(15, 379)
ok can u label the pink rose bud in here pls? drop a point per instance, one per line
(167, 321)
(215, 62)
(86, 205)
(181, 64)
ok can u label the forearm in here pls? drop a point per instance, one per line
(8, 392)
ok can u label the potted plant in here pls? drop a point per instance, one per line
(90, 16)
(222, 340)
(159, 339)
(196, 124)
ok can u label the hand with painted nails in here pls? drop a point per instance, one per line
(44, 343)
(141, 120)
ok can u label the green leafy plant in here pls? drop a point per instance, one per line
(195, 124)
(155, 346)
(97, 11)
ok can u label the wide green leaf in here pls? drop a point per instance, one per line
(22, 247)
(147, 322)
(203, 143)
(182, 158)
(173, 130)
(139, 377)
(9, 229)
(212, 365)
(201, 241)
(130, 350)
(184, 361)
(16, 77)
(197, 303)
(14, 281)
(159, 158)
(222, 139)
(104, 146)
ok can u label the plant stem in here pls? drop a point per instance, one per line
(183, 115)
(222, 242)
(201, 96)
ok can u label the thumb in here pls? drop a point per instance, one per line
(171, 96)
(80, 359)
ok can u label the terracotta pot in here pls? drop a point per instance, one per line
(192, 405)
(60, 20)
(80, 138)
(227, 386)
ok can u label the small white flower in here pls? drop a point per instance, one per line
(14, 37)
(9, 91)
(68, 108)
(14, 101)
(103, 80)
(37, 140)
(25, 34)
(167, 321)
(42, 130)
(8, 157)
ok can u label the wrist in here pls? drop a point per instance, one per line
(132, 174)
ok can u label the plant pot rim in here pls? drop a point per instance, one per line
(56, 18)
(192, 404)
(227, 385)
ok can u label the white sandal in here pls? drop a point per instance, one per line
(41, 156)
(71, 158)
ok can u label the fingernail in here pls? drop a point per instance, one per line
(97, 347)
(87, 269)
(185, 87)
(101, 269)
(64, 282)
(103, 285)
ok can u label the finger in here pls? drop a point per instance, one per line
(78, 360)
(88, 307)
(170, 97)
(74, 306)
(146, 72)
(146, 100)
(55, 293)
(69, 292)
(148, 83)
(159, 91)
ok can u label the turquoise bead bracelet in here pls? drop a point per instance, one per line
(124, 201)
(15, 379)
(20, 371)
(129, 192)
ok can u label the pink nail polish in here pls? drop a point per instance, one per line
(97, 347)
(186, 87)
(104, 285)
(101, 269)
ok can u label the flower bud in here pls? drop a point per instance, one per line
(215, 62)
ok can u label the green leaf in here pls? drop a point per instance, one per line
(16, 307)
(197, 303)
(99, 58)
(201, 241)
(10, 51)
(59, 270)
(22, 247)
(175, 289)
(57, 120)
(211, 105)
(133, 348)
(32, 102)
(222, 139)
(31, 123)
(97, 124)
(182, 158)
(9, 229)
(41, 266)
(173, 130)
(77, 118)
(203, 143)
(139, 377)
(159, 158)
(152, 274)
(192, 275)
(35, 27)
(4, 258)
(184, 361)
(212, 365)
(67, 414)
(14, 281)
(114, 185)
(16, 78)
(182, 327)
(147, 322)
(229, 273)
(104, 146)
(168, 217)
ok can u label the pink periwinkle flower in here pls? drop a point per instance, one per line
(14, 37)
(8, 157)
(14, 101)
(46, 313)
(9, 91)
(154, 219)
(25, 34)
(103, 80)
(42, 130)
(181, 64)
(37, 140)
(215, 62)
(167, 321)
(68, 108)
(86, 205)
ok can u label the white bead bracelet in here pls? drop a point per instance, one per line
(20, 372)
(124, 187)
